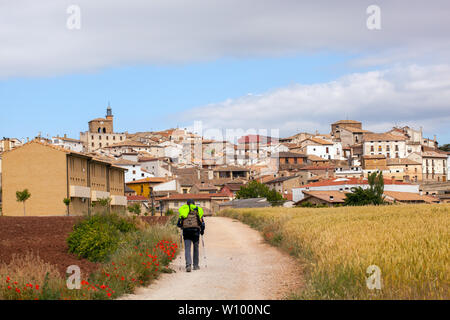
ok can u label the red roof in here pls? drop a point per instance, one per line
(150, 180)
(342, 181)
(194, 196)
(256, 138)
(136, 198)
(317, 168)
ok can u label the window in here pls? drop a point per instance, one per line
(380, 148)
(327, 150)
(396, 154)
(388, 155)
(396, 147)
(372, 149)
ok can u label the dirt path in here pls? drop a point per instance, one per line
(240, 266)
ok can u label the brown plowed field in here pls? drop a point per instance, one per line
(44, 236)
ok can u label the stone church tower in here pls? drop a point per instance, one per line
(101, 133)
(101, 125)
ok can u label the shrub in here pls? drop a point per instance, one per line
(170, 212)
(135, 208)
(96, 237)
(137, 261)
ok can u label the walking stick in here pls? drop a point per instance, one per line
(204, 252)
(181, 246)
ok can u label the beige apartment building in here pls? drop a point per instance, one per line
(387, 144)
(52, 174)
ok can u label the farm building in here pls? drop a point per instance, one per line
(329, 198)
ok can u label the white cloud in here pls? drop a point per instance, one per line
(35, 41)
(419, 95)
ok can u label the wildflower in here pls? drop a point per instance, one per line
(122, 279)
(9, 287)
(37, 287)
(109, 294)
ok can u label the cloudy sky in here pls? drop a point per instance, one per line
(277, 64)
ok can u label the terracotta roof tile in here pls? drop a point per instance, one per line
(382, 137)
(355, 181)
(338, 196)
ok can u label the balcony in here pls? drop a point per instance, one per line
(79, 192)
(118, 200)
(96, 195)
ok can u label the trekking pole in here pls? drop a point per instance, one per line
(204, 252)
(181, 246)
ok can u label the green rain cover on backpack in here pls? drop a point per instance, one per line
(192, 220)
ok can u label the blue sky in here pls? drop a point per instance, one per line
(163, 64)
(146, 97)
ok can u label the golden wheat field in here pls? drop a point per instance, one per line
(409, 243)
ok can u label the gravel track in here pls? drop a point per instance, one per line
(240, 266)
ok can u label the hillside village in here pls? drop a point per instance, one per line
(161, 170)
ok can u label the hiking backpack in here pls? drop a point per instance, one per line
(192, 220)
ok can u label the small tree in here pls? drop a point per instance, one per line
(370, 196)
(255, 189)
(135, 208)
(67, 202)
(445, 147)
(103, 202)
(23, 196)
(274, 197)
